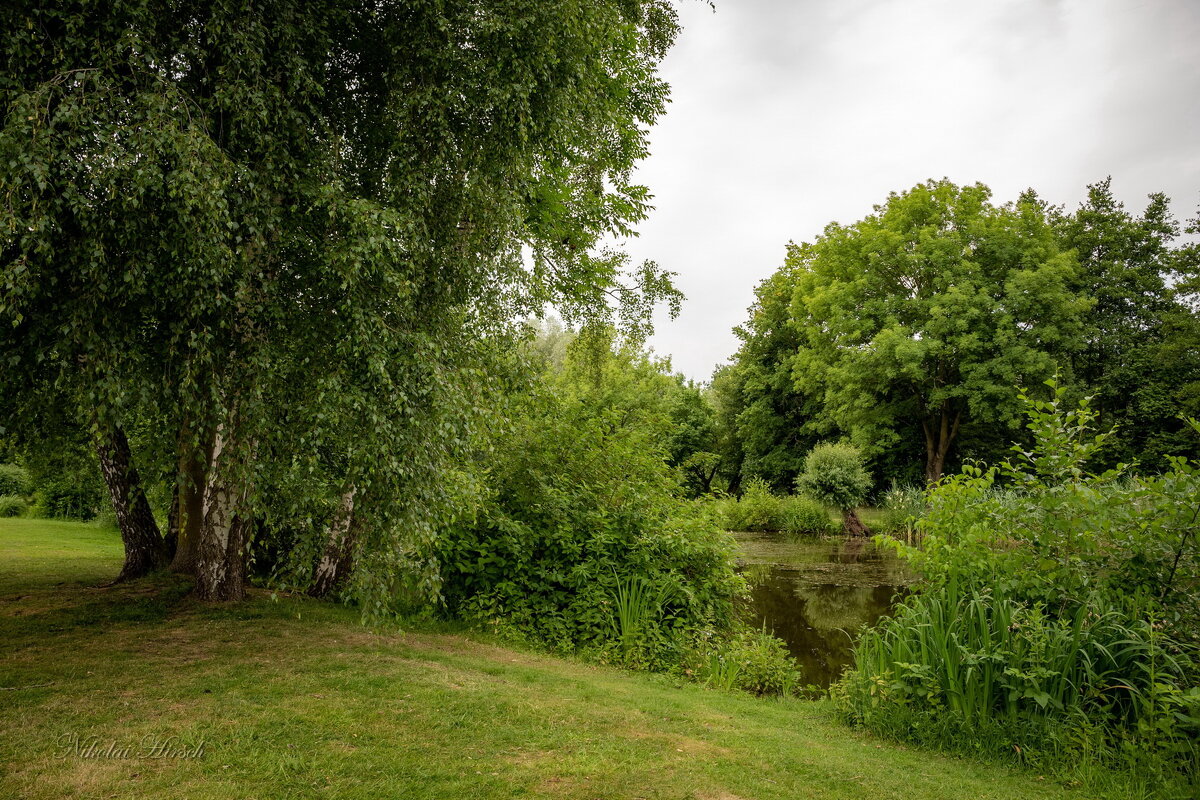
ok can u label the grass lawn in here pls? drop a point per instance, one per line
(295, 699)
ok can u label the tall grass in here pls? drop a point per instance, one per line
(903, 506)
(959, 666)
(758, 509)
(636, 601)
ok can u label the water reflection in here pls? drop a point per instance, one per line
(815, 594)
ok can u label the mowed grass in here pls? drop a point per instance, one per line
(295, 699)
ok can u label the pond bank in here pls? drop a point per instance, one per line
(295, 698)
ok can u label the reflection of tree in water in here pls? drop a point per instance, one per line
(851, 549)
(829, 607)
(817, 621)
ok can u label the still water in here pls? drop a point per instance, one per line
(815, 593)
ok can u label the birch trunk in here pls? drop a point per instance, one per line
(221, 548)
(145, 550)
(338, 557)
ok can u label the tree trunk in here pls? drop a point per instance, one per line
(145, 550)
(938, 441)
(221, 545)
(338, 558)
(192, 478)
(852, 525)
(171, 537)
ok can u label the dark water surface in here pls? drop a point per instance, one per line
(814, 593)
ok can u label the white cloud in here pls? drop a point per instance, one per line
(787, 115)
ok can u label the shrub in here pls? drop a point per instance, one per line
(903, 506)
(799, 515)
(580, 542)
(14, 480)
(756, 510)
(66, 500)
(834, 474)
(760, 510)
(754, 661)
(12, 505)
(1053, 611)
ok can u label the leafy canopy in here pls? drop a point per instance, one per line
(930, 310)
(834, 474)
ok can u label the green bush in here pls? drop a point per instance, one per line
(1057, 611)
(760, 510)
(580, 541)
(62, 499)
(756, 510)
(799, 515)
(14, 480)
(12, 505)
(834, 474)
(754, 661)
(903, 507)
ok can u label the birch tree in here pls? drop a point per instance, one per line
(286, 227)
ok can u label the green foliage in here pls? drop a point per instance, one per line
(754, 661)
(834, 474)
(637, 603)
(964, 665)
(1141, 358)
(800, 515)
(770, 421)
(923, 315)
(313, 228)
(14, 480)
(65, 499)
(903, 506)
(758, 509)
(905, 332)
(1058, 611)
(12, 505)
(578, 540)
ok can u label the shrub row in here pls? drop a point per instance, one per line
(760, 510)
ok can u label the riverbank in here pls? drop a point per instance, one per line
(293, 698)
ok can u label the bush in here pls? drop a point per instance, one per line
(14, 480)
(756, 510)
(799, 515)
(760, 510)
(754, 661)
(12, 505)
(1055, 613)
(61, 499)
(580, 542)
(834, 474)
(903, 507)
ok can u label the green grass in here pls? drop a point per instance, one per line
(294, 699)
(871, 516)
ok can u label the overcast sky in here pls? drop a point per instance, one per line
(787, 114)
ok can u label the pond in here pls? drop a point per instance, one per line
(814, 593)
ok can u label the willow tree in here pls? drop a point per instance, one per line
(928, 312)
(294, 229)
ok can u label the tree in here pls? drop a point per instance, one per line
(694, 436)
(777, 421)
(834, 474)
(1141, 355)
(928, 312)
(297, 232)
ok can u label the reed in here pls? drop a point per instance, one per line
(636, 601)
